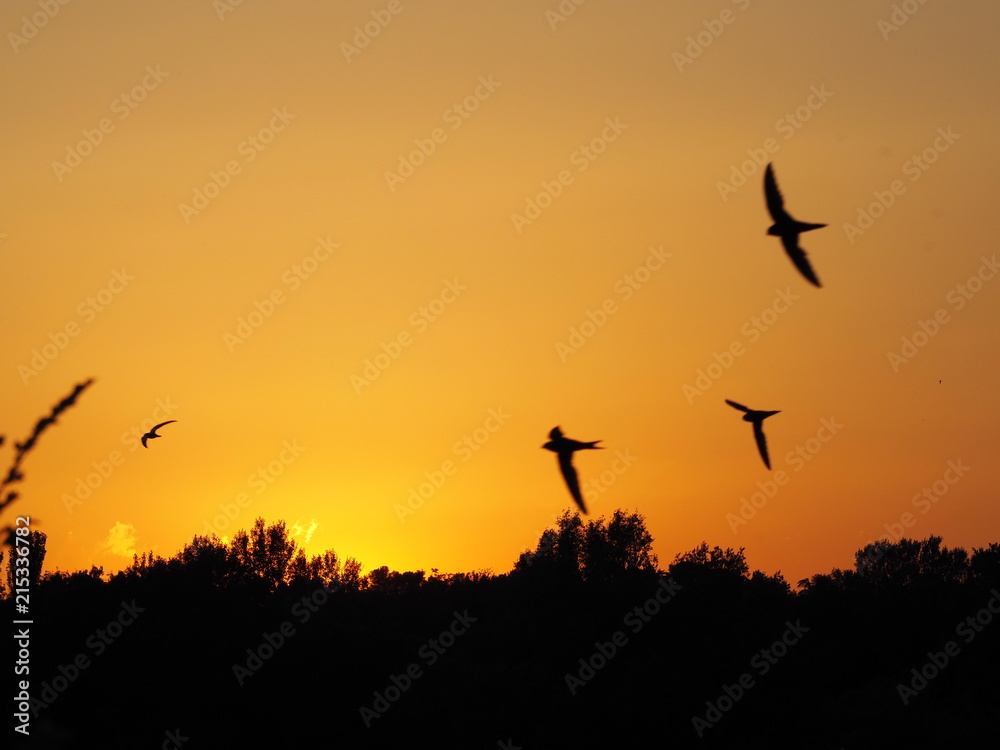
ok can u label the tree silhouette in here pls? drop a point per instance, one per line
(837, 579)
(350, 575)
(208, 559)
(984, 566)
(36, 555)
(623, 546)
(734, 647)
(716, 558)
(395, 582)
(601, 551)
(32, 572)
(84, 581)
(325, 568)
(909, 561)
(263, 559)
(558, 551)
(144, 564)
(264, 553)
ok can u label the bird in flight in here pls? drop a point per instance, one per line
(757, 417)
(787, 228)
(564, 448)
(152, 433)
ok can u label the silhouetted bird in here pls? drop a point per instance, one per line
(152, 433)
(787, 228)
(757, 417)
(564, 448)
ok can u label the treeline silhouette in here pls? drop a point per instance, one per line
(585, 643)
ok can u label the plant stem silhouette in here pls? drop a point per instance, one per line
(14, 474)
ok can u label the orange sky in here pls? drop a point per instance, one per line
(234, 215)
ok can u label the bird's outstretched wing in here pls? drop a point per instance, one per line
(161, 424)
(775, 203)
(144, 438)
(798, 256)
(733, 404)
(758, 433)
(572, 480)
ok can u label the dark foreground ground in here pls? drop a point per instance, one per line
(701, 658)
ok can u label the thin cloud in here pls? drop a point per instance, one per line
(121, 540)
(306, 532)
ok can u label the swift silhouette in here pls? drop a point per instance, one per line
(757, 417)
(152, 433)
(564, 448)
(787, 228)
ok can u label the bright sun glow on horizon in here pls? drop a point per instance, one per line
(367, 273)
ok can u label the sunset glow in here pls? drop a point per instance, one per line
(368, 254)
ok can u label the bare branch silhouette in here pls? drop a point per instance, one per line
(14, 474)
